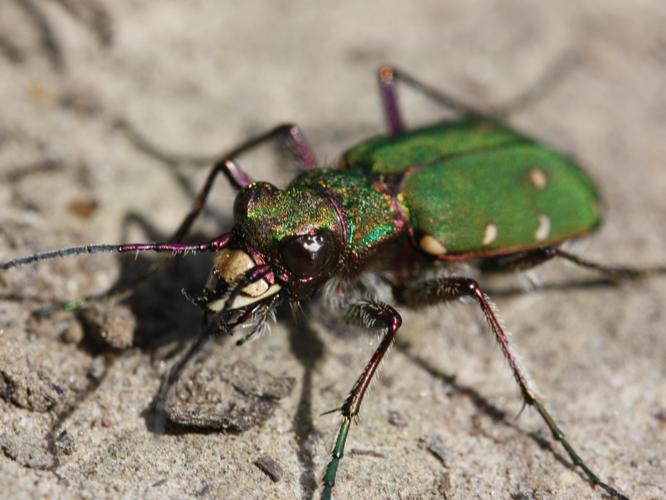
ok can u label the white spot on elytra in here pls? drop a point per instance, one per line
(490, 234)
(543, 230)
(432, 245)
(538, 178)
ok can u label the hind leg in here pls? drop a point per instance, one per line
(452, 288)
(522, 261)
(389, 76)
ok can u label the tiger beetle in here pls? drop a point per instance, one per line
(403, 207)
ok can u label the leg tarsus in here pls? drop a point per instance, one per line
(522, 261)
(236, 177)
(140, 142)
(336, 456)
(554, 75)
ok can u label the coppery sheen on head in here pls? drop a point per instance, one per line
(299, 229)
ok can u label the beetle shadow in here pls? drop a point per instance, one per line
(164, 317)
(153, 291)
(91, 15)
(481, 404)
(308, 349)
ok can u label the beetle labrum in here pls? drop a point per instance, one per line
(399, 207)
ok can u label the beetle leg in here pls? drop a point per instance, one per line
(522, 261)
(555, 74)
(519, 261)
(369, 314)
(236, 176)
(289, 132)
(531, 258)
(390, 75)
(387, 88)
(451, 288)
(225, 163)
(615, 273)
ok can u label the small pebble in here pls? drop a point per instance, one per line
(367, 453)
(64, 443)
(395, 418)
(270, 467)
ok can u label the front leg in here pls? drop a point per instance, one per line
(235, 174)
(451, 288)
(369, 315)
(288, 133)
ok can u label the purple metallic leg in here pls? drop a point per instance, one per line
(390, 100)
(300, 147)
(555, 74)
(370, 315)
(445, 289)
(389, 76)
(521, 261)
(237, 176)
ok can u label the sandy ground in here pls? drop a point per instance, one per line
(196, 77)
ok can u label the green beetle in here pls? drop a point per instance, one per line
(401, 207)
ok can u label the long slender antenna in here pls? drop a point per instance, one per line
(175, 248)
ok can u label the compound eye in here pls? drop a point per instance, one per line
(308, 255)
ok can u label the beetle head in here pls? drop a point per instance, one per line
(286, 243)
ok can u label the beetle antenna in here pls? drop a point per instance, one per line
(175, 248)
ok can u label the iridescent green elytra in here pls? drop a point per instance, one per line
(477, 187)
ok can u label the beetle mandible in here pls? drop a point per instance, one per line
(402, 206)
